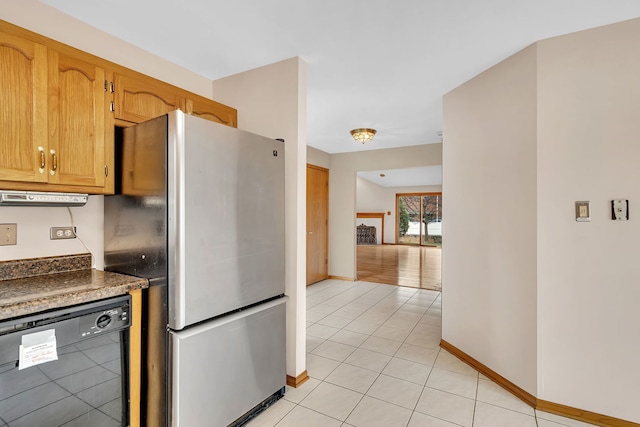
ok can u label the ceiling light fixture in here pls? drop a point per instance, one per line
(363, 135)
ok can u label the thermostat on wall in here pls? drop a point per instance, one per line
(620, 210)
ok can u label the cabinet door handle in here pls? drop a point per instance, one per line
(43, 159)
(54, 162)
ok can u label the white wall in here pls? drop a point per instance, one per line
(342, 195)
(489, 253)
(588, 273)
(33, 231)
(549, 303)
(271, 101)
(371, 197)
(50, 22)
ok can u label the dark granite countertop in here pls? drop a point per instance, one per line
(68, 284)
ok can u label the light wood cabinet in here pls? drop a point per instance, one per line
(143, 163)
(79, 122)
(55, 130)
(23, 114)
(139, 98)
(211, 110)
(59, 108)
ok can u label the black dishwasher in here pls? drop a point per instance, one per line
(88, 383)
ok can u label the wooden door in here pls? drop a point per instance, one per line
(139, 98)
(23, 112)
(317, 224)
(77, 121)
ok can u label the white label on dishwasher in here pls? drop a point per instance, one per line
(39, 347)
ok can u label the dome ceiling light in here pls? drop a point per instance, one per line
(363, 135)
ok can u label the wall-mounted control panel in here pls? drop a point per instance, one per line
(620, 210)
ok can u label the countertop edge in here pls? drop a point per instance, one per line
(40, 303)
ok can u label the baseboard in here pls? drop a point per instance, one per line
(347, 279)
(296, 382)
(531, 400)
(518, 392)
(582, 415)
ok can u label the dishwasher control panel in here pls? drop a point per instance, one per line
(105, 321)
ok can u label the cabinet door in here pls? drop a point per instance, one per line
(139, 98)
(23, 111)
(77, 116)
(144, 159)
(211, 110)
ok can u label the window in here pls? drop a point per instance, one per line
(419, 218)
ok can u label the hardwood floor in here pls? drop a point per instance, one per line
(413, 266)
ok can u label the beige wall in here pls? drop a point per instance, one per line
(489, 254)
(342, 195)
(271, 101)
(588, 273)
(547, 302)
(34, 229)
(318, 158)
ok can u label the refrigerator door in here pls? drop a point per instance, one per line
(224, 368)
(225, 219)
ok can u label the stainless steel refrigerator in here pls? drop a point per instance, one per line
(199, 211)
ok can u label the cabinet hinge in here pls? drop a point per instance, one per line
(106, 170)
(112, 106)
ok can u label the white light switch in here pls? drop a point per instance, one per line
(582, 212)
(620, 210)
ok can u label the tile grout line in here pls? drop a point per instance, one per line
(371, 335)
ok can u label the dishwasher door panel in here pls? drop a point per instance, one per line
(84, 387)
(223, 368)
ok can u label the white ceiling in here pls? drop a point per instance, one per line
(425, 175)
(383, 64)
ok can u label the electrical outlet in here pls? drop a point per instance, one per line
(8, 234)
(58, 233)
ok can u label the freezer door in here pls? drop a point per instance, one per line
(223, 368)
(225, 219)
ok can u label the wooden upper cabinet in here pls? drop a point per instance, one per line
(139, 98)
(78, 119)
(23, 114)
(58, 109)
(211, 110)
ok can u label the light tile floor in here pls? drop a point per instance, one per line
(374, 360)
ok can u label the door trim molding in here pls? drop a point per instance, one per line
(326, 225)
